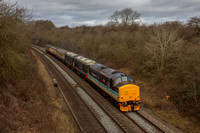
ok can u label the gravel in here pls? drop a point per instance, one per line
(108, 123)
(148, 127)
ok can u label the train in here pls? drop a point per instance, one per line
(118, 86)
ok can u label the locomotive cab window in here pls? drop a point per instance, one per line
(124, 78)
(121, 79)
(131, 79)
(117, 81)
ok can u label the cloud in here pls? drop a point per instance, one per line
(93, 12)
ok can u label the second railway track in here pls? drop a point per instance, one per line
(119, 122)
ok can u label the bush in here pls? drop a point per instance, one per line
(13, 40)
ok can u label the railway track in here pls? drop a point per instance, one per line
(107, 123)
(85, 119)
(144, 123)
(118, 121)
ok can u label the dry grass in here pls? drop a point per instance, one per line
(61, 114)
(24, 106)
(126, 49)
(154, 98)
(33, 105)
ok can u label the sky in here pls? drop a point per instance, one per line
(97, 12)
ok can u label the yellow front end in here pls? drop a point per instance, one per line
(129, 97)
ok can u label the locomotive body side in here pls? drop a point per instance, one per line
(106, 89)
(102, 81)
(117, 85)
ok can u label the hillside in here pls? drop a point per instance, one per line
(26, 105)
(163, 59)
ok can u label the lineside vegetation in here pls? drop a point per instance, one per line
(13, 40)
(166, 55)
(24, 102)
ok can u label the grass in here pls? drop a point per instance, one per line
(154, 99)
(24, 105)
(132, 51)
(61, 115)
(33, 104)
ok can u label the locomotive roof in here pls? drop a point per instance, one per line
(107, 71)
(85, 61)
(63, 51)
(71, 54)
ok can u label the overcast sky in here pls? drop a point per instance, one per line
(95, 12)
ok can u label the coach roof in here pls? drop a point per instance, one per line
(71, 54)
(85, 61)
(63, 51)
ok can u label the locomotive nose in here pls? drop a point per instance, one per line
(129, 92)
(129, 97)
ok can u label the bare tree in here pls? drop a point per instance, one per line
(195, 22)
(163, 44)
(129, 16)
(13, 39)
(115, 18)
(124, 17)
(134, 17)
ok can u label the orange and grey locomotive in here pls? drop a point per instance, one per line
(119, 86)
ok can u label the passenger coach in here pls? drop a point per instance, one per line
(82, 64)
(69, 59)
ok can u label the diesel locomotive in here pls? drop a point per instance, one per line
(117, 85)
